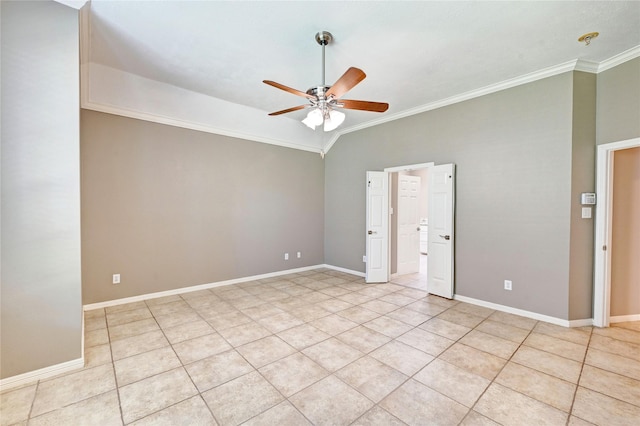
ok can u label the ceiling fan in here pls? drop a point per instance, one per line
(324, 101)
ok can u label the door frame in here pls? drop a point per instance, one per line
(388, 170)
(603, 223)
(395, 169)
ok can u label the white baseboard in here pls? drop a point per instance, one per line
(523, 313)
(43, 373)
(348, 271)
(190, 289)
(581, 323)
(624, 318)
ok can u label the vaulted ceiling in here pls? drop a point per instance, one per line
(200, 64)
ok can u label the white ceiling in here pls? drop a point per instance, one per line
(414, 53)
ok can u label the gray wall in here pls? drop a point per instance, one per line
(513, 155)
(41, 311)
(618, 103)
(168, 207)
(582, 180)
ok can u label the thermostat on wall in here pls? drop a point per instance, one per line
(588, 198)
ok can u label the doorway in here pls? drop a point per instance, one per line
(605, 246)
(440, 259)
(409, 226)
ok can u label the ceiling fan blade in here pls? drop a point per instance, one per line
(284, 111)
(288, 89)
(347, 82)
(364, 105)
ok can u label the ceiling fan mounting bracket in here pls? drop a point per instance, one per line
(324, 37)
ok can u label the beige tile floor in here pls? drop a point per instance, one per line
(321, 347)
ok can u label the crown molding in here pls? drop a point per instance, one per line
(574, 65)
(76, 4)
(587, 66)
(101, 106)
(620, 58)
(185, 124)
(486, 90)
(118, 98)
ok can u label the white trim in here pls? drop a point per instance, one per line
(333, 140)
(619, 59)
(574, 65)
(409, 167)
(182, 290)
(604, 209)
(75, 4)
(161, 119)
(348, 271)
(581, 323)
(117, 92)
(40, 374)
(523, 313)
(190, 289)
(624, 318)
(476, 93)
(587, 66)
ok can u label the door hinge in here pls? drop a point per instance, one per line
(604, 248)
(369, 184)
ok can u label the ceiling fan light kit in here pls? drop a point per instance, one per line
(323, 99)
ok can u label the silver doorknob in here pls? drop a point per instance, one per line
(418, 228)
(446, 237)
(371, 232)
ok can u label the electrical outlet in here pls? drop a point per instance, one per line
(299, 255)
(116, 279)
(286, 256)
(507, 284)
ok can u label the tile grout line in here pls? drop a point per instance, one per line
(33, 400)
(358, 324)
(575, 393)
(113, 367)
(181, 364)
(501, 369)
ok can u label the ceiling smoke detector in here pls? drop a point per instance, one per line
(588, 37)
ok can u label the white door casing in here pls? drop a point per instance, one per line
(440, 262)
(377, 231)
(604, 210)
(408, 224)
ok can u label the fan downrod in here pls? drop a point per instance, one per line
(324, 37)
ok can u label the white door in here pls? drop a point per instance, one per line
(441, 235)
(408, 224)
(377, 245)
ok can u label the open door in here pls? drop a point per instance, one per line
(441, 235)
(377, 232)
(408, 224)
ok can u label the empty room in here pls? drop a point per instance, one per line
(320, 213)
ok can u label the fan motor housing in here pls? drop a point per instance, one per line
(318, 91)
